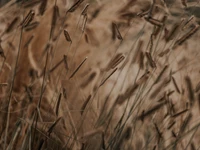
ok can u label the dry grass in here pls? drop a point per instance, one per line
(99, 75)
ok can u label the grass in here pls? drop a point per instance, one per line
(99, 75)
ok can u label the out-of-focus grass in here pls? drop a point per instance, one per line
(118, 75)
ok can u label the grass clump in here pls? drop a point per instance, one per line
(99, 75)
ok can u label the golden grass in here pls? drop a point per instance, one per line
(114, 74)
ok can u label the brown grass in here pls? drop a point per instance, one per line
(91, 74)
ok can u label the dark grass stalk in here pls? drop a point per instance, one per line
(56, 66)
(25, 140)
(138, 94)
(120, 72)
(32, 129)
(155, 50)
(11, 88)
(41, 96)
(93, 98)
(58, 37)
(4, 60)
(77, 69)
(58, 104)
(190, 141)
(182, 136)
(131, 111)
(120, 126)
(111, 112)
(15, 135)
(99, 86)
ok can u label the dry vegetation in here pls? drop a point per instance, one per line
(99, 75)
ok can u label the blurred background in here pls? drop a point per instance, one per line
(2, 2)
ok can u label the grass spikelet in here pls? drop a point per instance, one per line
(158, 132)
(164, 52)
(175, 85)
(65, 62)
(116, 33)
(157, 91)
(67, 36)
(151, 111)
(157, 29)
(188, 22)
(121, 98)
(154, 21)
(64, 93)
(31, 26)
(187, 35)
(75, 6)
(190, 90)
(161, 74)
(76, 70)
(113, 31)
(130, 90)
(84, 22)
(58, 104)
(84, 11)
(179, 113)
(151, 43)
(171, 125)
(185, 123)
(95, 14)
(141, 60)
(42, 7)
(103, 82)
(175, 30)
(56, 66)
(170, 106)
(86, 38)
(53, 125)
(89, 79)
(150, 60)
(27, 20)
(2, 52)
(142, 13)
(28, 41)
(115, 61)
(184, 3)
(144, 77)
(138, 50)
(12, 25)
(53, 22)
(128, 15)
(85, 104)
